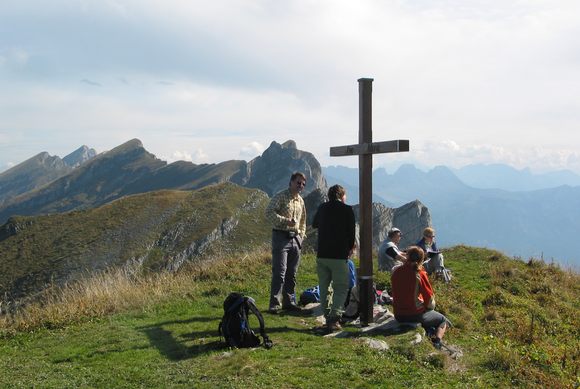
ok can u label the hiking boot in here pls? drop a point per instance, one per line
(334, 326)
(274, 309)
(291, 307)
(436, 342)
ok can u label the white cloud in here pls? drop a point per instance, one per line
(251, 150)
(490, 77)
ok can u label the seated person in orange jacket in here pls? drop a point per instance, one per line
(413, 297)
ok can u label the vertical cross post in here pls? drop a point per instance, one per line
(365, 150)
(365, 164)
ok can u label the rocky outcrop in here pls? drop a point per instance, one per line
(312, 201)
(410, 218)
(13, 226)
(271, 171)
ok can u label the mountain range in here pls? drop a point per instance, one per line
(40, 170)
(130, 169)
(539, 223)
(126, 208)
(500, 176)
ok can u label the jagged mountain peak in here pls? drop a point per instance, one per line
(289, 144)
(80, 156)
(272, 170)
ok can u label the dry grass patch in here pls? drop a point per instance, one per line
(121, 289)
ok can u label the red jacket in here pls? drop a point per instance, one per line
(412, 291)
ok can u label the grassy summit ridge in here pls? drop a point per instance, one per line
(516, 322)
(152, 230)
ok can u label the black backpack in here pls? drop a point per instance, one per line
(235, 327)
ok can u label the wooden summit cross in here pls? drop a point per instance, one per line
(365, 150)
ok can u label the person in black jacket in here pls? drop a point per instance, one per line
(336, 242)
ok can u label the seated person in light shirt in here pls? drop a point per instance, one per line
(389, 254)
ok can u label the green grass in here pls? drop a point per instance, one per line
(153, 227)
(172, 341)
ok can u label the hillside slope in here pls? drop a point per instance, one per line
(516, 323)
(148, 231)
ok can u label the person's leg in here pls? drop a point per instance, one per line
(292, 262)
(436, 320)
(324, 278)
(279, 263)
(440, 261)
(340, 284)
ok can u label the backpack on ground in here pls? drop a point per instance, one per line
(310, 295)
(235, 327)
(351, 308)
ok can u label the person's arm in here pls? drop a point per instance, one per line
(422, 244)
(426, 290)
(272, 214)
(391, 252)
(302, 224)
(434, 246)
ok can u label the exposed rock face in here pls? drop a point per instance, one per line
(312, 201)
(410, 218)
(79, 156)
(271, 171)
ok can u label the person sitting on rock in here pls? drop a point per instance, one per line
(434, 259)
(413, 297)
(389, 254)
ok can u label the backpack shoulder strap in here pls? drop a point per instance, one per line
(251, 304)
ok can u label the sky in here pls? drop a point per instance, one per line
(466, 81)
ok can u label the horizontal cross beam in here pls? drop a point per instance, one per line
(391, 146)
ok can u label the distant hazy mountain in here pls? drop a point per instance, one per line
(348, 178)
(79, 156)
(40, 170)
(498, 176)
(533, 223)
(130, 169)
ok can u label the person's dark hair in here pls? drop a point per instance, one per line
(335, 192)
(415, 255)
(295, 176)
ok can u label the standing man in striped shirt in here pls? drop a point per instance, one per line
(287, 213)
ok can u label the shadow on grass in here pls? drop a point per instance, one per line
(175, 348)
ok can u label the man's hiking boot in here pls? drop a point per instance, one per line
(436, 342)
(334, 326)
(274, 309)
(291, 308)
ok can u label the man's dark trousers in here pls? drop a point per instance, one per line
(285, 261)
